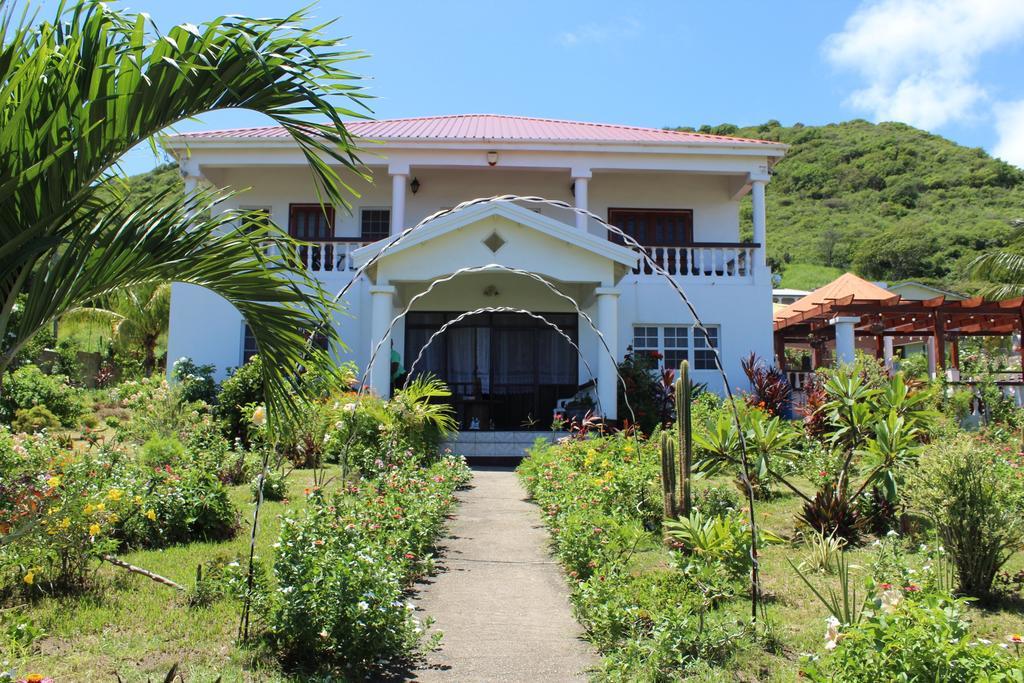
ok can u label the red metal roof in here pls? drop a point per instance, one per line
(493, 128)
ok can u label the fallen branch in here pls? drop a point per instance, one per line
(145, 572)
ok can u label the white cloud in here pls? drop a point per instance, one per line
(919, 57)
(1010, 127)
(600, 33)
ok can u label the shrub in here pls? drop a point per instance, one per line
(342, 568)
(161, 451)
(972, 493)
(275, 486)
(715, 500)
(34, 419)
(910, 635)
(241, 389)
(28, 386)
(196, 381)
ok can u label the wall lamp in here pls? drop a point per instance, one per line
(415, 185)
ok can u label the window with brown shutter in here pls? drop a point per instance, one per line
(311, 222)
(654, 227)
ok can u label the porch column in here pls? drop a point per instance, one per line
(887, 354)
(930, 347)
(846, 338)
(760, 222)
(607, 372)
(399, 181)
(580, 183)
(382, 310)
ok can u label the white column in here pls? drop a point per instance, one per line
(760, 222)
(930, 346)
(607, 371)
(887, 355)
(580, 183)
(382, 310)
(399, 181)
(846, 338)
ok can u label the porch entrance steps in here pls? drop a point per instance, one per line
(496, 444)
(499, 597)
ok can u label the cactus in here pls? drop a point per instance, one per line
(668, 474)
(684, 429)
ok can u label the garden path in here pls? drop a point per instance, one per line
(499, 597)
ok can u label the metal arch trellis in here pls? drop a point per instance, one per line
(655, 268)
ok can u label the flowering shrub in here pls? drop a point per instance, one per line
(973, 493)
(342, 567)
(28, 386)
(61, 510)
(601, 501)
(908, 634)
(196, 381)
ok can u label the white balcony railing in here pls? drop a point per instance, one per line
(332, 256)
(702, 261)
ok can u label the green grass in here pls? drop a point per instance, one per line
(138, 629)
(808, 276)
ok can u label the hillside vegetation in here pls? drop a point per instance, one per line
(888, 201)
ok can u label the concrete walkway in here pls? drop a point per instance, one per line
(499, 597)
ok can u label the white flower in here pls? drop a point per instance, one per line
(891, 599)
(259, 416)
(984, 641)
(362, 605)
(892, 532)
(831, 633)
(349, 407)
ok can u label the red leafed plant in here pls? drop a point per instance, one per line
(770, 390)
(815, 420)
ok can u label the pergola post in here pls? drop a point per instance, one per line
(887, 355)
(780, 351)
(846, 337)
(940, 343)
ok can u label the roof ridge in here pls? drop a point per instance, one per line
(357, 123)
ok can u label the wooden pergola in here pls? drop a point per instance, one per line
(887, 320)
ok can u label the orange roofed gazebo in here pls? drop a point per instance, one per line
(851, 313)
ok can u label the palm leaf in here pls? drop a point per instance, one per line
(80, 91)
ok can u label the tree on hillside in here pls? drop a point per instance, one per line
(137, 316)
(78, 92)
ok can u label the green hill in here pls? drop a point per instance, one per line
(888, 201)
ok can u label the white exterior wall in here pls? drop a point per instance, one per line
(209, 330)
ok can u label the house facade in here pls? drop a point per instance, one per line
(529, 274)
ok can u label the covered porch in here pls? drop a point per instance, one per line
(514, 310)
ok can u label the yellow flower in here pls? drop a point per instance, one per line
(94, 529)
(115, 494)
(137, 500)
(30, 577)
(151, 515)
(113, 518)
(53, 482)
(65, 523)
(89, 509)
(100, 507)
(599, 482)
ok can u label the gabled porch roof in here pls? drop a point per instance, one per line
(624, 258)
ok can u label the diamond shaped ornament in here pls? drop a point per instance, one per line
(494, 242)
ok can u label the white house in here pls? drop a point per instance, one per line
(676, 193)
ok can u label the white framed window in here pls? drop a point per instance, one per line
(676, 343)
(704, 347)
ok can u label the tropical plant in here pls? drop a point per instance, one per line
(770, 390)
(970, 492)
(79, 91)
(138, 317)
(1001, 269)
(724, 540)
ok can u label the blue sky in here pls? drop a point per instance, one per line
(952, 66)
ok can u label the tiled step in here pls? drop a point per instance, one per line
(497, 444)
